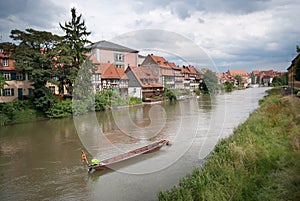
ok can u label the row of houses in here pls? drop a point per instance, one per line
(255, 78)
(117, 68)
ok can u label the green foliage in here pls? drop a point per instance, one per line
(83, 88)
(74, 46)
(17, 111)
(169, 94)
(280, 80)
(80, 107)
(2, 82)
(210, 83)
(101, 101)
(260, 161)
(134, 100)
(60, 109)
(239, 80)
(228, 86)
(35, 53)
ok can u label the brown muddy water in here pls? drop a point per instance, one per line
(42, 160)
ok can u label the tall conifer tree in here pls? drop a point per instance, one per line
(77, 45)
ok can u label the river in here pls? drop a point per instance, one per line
(42, 160)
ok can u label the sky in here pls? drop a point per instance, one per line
(228, 34)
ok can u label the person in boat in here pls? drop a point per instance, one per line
(95, 162)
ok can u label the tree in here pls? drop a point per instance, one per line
(280, 80)
(228, 86)
(210, 82)
(76, 45)
(239, 80)
(2, 82)
(35, 53)
(83, 96)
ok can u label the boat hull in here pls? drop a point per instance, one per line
(104, 164)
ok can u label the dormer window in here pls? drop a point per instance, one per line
(5, 62)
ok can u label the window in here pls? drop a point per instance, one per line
(5, 62)
(96, 77)
(1, 50)
(52, 89)
(119, 65)
(119, 57)
(8, 92)
(19, 76)
(7, 76)
(29, 76)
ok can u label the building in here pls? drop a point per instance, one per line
(292, 82)
(169, 74)
(120, 56)
(19, 85)
(264, 78)
(107, 76)
(246, 80)
(143, 83)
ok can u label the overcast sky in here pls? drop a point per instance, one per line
(234, 34)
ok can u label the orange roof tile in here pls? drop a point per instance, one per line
(122, 73)
(162, 62)
(110, 72)
(237, 72)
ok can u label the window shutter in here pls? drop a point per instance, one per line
(13, 76)
(24, 76)
(3, 92)
(12, 92)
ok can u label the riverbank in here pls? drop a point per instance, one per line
(260, 161)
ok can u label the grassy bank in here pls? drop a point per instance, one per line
(260, 161)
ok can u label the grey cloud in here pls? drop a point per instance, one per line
(22, 14)
(183, 9)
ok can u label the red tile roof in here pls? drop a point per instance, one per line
(144, 73)
(237, 72)
(162, 62)
(122, 74)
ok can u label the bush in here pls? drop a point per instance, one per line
(79, 107)
(60, 109)
(17, 111)
(134, 101)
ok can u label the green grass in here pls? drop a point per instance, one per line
(260, 161)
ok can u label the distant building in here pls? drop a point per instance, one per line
(18, 80)
(264, 78)
(294, 84)
(242, 73)
(143, 83)
(120, 56)
(168, 73)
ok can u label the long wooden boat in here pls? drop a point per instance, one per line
(125, 156)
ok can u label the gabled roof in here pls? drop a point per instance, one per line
(173, 65)
(102, 67)
(144, 73)
(122, 73)
(106, 45)
(111, 73)
(237, 72)
(160, 61)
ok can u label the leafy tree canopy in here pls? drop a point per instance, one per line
(36, 53)
(210, 82)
